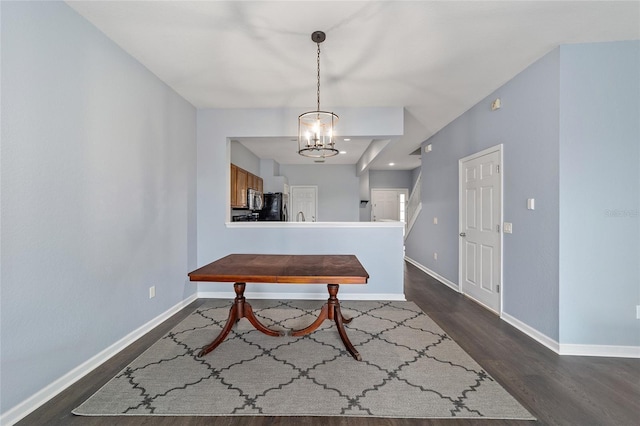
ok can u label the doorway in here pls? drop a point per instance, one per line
(304, 203)
(480, 219)
(389, 204)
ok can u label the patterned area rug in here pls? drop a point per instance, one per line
(410, 369)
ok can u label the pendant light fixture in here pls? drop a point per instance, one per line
(316, 128)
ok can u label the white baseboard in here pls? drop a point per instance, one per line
(560, 349)
(435, 275)
(600, 350)
(229, 295)
(30, 404)
(531, 332)
(565, 349)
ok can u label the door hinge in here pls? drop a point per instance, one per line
(498, 288)
(498, 168)
(498, 227)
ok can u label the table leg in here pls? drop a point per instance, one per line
(331, 311)
(240, 309)
(233, 317)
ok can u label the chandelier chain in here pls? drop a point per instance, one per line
(318, 76)
(316, 128)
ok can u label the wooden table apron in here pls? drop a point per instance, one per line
(240, 269)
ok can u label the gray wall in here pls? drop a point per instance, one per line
(379, 248)
(243, 158)
(579, 161)
(527, 126)
(98, 195)
(390, 179)
(600, 193)
(338, 189)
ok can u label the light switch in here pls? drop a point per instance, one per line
(508, 228)
(531, 203)
(435, 220)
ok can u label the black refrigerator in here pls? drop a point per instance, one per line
(274, 207)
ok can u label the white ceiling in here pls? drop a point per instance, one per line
(434, 58)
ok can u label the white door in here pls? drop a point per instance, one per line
(304, 204)
(480, 216)
(388, 204)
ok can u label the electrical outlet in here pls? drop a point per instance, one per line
(435, 220)
(435, 256)
(152, 292)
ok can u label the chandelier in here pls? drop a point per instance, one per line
(316, 128)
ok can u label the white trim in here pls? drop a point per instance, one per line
(229, 295)
(500, 150)
(405, 191)
(413, 219)
(478, 302)
(413, 210)
(600, 350)
(30, 404)
(314, 217)
(565, 349)
(438, 277)
(482, 153)
(26, 407)
(531, 332)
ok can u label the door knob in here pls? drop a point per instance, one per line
(463, 234)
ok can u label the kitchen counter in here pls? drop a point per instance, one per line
(274, 224)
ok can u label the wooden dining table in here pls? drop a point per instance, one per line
(240, 269)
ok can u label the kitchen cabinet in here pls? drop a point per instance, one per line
(252, 181)
(234, 173)
(241, 180)
(241, 187)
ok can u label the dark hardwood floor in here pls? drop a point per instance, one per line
(557, 390)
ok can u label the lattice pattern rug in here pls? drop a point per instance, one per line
(410, 368)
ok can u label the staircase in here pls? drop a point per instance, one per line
(414, 205)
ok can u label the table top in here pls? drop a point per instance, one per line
(284, 268)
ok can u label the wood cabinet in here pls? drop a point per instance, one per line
(241, 187)
(252, 181)
(234, 197)
(241, 180)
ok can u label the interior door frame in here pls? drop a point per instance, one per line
(291, 200)
(405, 191)
(461, 198)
